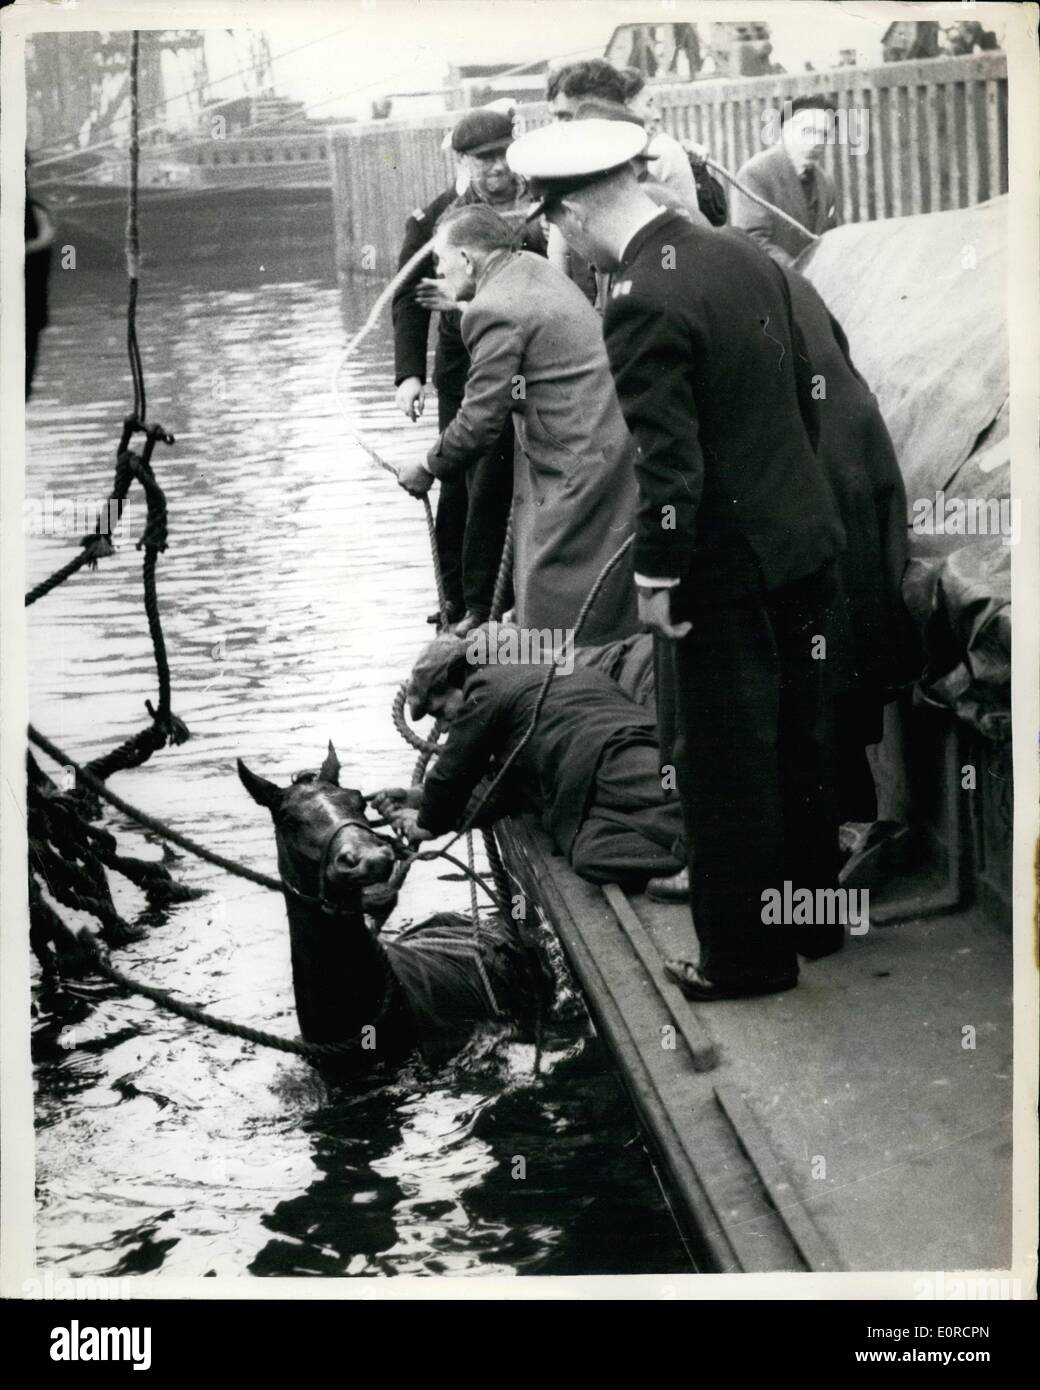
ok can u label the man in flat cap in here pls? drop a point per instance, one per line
(537, 356)
(591, 768)
(473, 508)
(737, 533)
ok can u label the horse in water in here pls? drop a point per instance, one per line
(379, 1000)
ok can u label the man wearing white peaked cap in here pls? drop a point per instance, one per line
(737, 531)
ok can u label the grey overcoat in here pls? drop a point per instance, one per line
(536, 352)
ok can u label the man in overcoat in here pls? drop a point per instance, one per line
(537, 355)
(875, 647)
(737, 533)
(788, 175)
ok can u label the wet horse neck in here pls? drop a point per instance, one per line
(340, 973)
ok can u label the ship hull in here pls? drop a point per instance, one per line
(255, 228)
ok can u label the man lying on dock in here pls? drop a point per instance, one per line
(591, 766)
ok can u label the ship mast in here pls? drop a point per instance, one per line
(260, 79)
(78, 83)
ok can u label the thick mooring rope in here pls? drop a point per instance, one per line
(130, 466)
(133, 232)
(95, 548)
(158, 827)
(195, 1014)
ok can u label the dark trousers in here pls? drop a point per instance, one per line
(859, 722)
(472, 514)
(631, 826)
(753, 742)
(669, 730)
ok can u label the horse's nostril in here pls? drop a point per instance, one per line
(346, 859)
(379, 862)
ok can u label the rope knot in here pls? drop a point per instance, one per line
(155, 535)
(173, 729)
(98, 546)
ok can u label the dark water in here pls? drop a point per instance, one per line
(293, 594)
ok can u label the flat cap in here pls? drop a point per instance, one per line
(431, 670)
(481, 131)
(567, 155)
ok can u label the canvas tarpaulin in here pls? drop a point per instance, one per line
(923, 302)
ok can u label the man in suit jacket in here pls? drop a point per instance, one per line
(789, 176)
(737, 532)
(537, 354)
(592, 767)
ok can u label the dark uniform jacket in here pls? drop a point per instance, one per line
(583, 713)
(37, 274)
(716, 386)
(876, 648)
(411, 320)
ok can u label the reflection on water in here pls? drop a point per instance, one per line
(293, 594)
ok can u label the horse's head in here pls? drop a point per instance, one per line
(326, 850)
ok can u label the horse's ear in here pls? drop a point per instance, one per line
(263, 792)
(329, 770)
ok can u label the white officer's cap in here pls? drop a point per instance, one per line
(563, 157)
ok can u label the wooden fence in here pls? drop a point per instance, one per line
(909, 137)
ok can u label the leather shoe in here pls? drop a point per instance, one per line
(816, 942)
(454, 614)
(467, 623)
(675, 888)
(699, 988)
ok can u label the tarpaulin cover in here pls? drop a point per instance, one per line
(923, 302)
